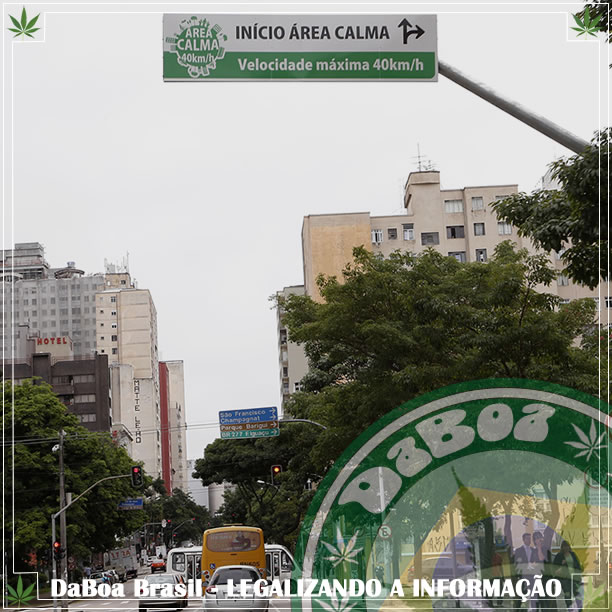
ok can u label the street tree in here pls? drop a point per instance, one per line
(33, 416)
(574, 219)
(278, 508)
(396, 328)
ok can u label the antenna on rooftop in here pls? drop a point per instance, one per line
(423, 164)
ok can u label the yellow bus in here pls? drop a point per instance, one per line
(232, 545)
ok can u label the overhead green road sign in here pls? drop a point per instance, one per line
(300, 47)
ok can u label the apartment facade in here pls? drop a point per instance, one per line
(51, 302)
(456, 222)
(177, 424)
(292, 362)
(82, 385)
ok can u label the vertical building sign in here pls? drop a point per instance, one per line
(137, 421)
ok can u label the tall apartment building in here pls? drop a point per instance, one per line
(456, 222)
(172, 416)
(178, 424)
(292, 362)
(49, 301)
(101, 313)
(126, 331)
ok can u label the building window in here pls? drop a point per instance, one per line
(285, 371)
(428, 238)
(503, 228)
(377, 236)
(113, 299)
(458, 255)
(123, 282)
(453, 206)
(101, 312)
(114, 338)
(63, 311)
(86, 398)
(113, 325)
(608, 302)
(285, 387)
(51, 300)
(297, 387)
(101, 324)
(114, 351)
(562, 280)
(87, 418)
(481, 254)
(502, 197)
(84, 378)
(60, 380)
(392, 233)
(479, 229)
(455, 231)
(113, 313)
(34, 302)
(26, 302)
(408, 231)
(76, 311)
(477, 204)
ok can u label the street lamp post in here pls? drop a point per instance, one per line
(61, 512)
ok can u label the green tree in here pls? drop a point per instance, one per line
(574, 217)
(34, 416)
(278, 507)
(402, 326)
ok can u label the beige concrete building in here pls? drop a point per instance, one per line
(126, 331)
(292, 362)
(456, 222)
(177, 424)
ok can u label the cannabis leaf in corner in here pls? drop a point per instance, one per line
(586, 25)
(19, 596)
(24, 27)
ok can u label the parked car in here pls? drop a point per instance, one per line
(216, 596)
(157, 600)
(158, 565)
(115, 576)
(131, 572)
(99, 577)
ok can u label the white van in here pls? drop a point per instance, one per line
(279, 562)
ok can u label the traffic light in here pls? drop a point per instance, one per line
(58, 551)
(275, 471)
(137, 480)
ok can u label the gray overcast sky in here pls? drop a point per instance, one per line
(206, 184)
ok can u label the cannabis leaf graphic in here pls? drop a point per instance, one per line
(336, 606)
(24, 27)
(19, 596)
(592, 593)
(586, 25)
(588, 445)
(343, 552)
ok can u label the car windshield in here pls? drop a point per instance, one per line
(94, 576)
(161, 579)
(236, 574)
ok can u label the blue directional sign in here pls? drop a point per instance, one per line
(249, 423)
(248, 415)
(131, 503)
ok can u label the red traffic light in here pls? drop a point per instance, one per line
(277, 469)
(57, 545)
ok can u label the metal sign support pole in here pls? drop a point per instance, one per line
(537, 122)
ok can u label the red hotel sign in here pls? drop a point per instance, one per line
(61, 340)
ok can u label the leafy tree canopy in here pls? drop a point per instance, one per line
(575, 217)
(399, 327)
(34, 416)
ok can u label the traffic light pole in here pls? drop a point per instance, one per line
(63, 562)
(61, 512)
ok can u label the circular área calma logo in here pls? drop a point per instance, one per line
(198, 46)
